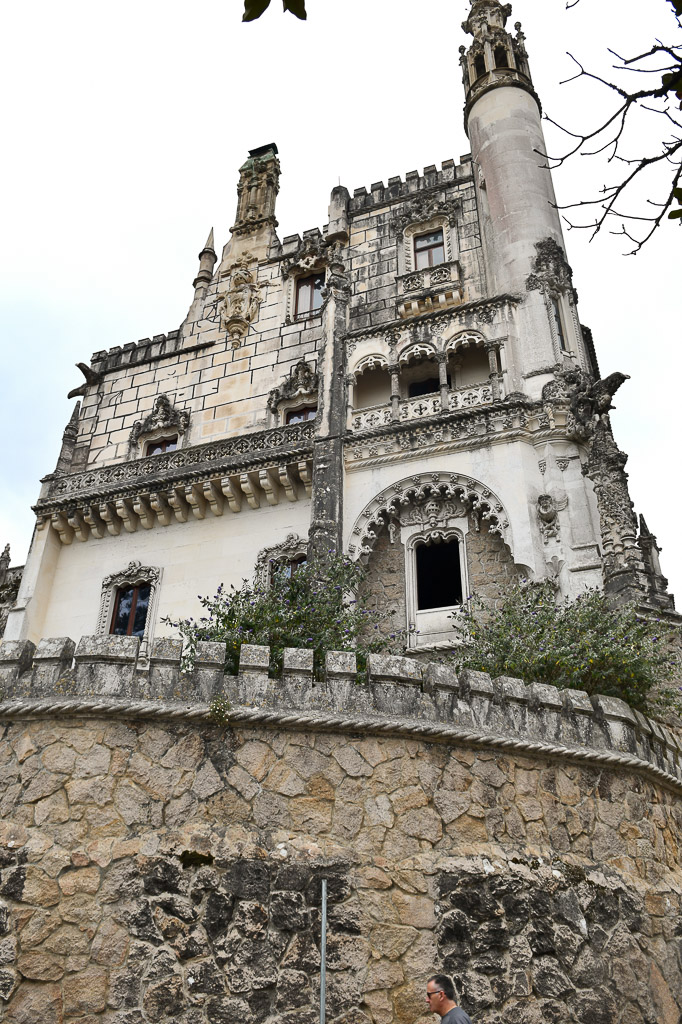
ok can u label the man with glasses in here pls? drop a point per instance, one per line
(440, 996)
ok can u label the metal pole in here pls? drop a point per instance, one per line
(323, 954)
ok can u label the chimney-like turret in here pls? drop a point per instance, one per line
(255, 223)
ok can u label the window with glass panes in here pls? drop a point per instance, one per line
(301, 415)
(309, 295)
(164, 444)
(130, 610)
(429, 250)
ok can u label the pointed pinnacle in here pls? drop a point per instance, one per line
(209, 241)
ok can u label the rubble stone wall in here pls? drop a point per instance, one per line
(158, 865)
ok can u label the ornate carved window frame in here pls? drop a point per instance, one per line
(439, 222)
(298, 390)
(454, 527)
(164, 421)
(134, 575)
(288, 550)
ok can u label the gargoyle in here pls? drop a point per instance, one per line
(91, 379)
(590, 403)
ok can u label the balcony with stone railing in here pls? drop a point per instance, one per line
(424, 406)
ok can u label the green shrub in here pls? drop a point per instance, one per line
(584, 644)
(310, 608)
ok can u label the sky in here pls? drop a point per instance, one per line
(124, 128)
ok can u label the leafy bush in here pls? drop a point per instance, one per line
(584, 644)
(309, 608)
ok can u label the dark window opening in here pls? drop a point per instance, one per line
(301, 415)
(429, 250)
(558, 324)
(501, 59)
(309, 295)
(430, 386)
(479, 66)
(439, 575)
(165, 444)
(289, 566)
(130, 610)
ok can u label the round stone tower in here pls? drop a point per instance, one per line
(502, 117)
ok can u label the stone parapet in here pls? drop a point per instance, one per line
(395, 694)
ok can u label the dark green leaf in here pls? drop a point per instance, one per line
(296, 7)
(675, 214)
(254, 8)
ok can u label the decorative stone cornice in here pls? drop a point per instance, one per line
(178, 485)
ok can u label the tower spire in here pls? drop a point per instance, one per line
(207, 260)
(495, 58)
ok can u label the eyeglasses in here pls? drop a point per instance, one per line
(430, 994)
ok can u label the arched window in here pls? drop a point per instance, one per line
(130, 610)
(501, 58)
(479, 66)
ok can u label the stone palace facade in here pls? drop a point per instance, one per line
(411, 384)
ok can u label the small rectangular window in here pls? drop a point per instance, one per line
(130, 610)
(165, 444)
(559, 325)
(301, 415)
(309, 295)
(439, 575)
(429, 250)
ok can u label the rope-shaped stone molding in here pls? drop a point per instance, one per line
(271, 719)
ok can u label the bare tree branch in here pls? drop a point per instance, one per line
(611, 139)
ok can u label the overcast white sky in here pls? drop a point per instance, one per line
(124, 127)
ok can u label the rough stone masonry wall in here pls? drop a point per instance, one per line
(157, 866)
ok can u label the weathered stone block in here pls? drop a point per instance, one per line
(209, 669)
(105, 665)
(254, 662)
(295, 686)
(390, 668)
(619, 720)
(16, 659)
(164, 678)
(341, 665)
(52, 659)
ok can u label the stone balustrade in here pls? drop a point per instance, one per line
(396, 694)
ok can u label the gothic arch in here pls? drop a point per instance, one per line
(472, 495)
(464, 339)
(373, 361)
(418, 351)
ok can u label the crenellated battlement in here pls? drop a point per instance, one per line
(414, 182)
(397, 695)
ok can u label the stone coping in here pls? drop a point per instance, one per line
(400, 696)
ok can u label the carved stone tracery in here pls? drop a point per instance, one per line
(429, 500)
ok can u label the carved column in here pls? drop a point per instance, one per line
(492, 349)
(350, 399)
(326, 527)
(394, 370)
(442, 358)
